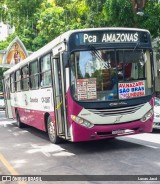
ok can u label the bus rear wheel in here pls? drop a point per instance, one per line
(19, 123)
(52, 133)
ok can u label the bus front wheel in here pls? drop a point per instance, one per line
(52, 133)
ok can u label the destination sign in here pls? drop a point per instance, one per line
(110, 36)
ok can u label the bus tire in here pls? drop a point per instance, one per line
(19, 123)
(52, 133)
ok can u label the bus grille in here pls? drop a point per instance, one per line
(116, 111)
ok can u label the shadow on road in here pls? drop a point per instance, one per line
(85, 147)
(156, 131)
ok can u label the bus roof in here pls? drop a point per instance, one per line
(60, 39)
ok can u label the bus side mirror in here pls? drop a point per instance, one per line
(65, 58)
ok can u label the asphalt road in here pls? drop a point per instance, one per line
(28, 151)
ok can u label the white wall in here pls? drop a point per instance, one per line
(5, 30)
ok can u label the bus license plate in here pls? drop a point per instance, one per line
(118, 131)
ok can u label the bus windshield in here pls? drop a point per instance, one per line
(110, 75)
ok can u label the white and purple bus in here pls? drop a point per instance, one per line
(86, 84)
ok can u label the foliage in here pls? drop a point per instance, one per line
(95, 15)
(151, 18)
(23, 15)
(119, 13)
(39, 21)
(50, 22)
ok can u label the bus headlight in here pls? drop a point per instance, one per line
(82, 121)
(147, 115)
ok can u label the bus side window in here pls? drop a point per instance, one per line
(25, 78)
(12, 82)
(45, 73)
(34, 75)
(18, 81)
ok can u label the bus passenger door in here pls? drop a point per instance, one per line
(7, 98)
(59, 96)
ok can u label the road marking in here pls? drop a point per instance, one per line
(145, 140)
(15, 133)
(152, 138)
(10, 168)
(49, 150)
(151, 146)
(46, 154)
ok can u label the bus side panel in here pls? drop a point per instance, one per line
(21, 113)
(37, 119)
(33, 106)
(34, 118)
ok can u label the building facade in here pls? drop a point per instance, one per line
(5, 31)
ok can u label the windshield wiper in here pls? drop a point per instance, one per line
(106, 64)
(95, 52)
(137, 45)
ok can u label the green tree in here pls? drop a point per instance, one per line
(50, 23)
(22, 14)
(151, 18)
(119, 13)
(75, 15)
(95, 15)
